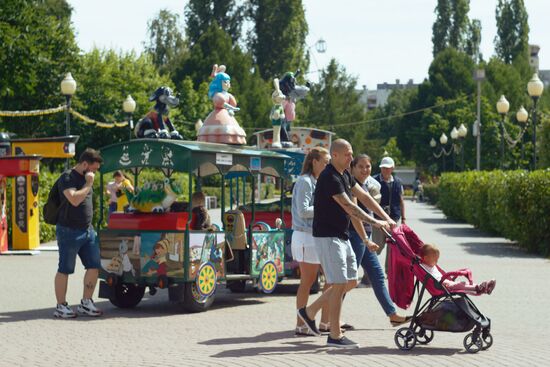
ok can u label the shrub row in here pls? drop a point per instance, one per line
(513, 204)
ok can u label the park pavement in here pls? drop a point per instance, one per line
(251, 329)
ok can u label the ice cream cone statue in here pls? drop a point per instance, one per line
(220, 126)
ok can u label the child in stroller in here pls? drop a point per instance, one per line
(430, 256)
(449, 310)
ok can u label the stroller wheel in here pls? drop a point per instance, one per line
(487, 341)
(405, 338)
(473, 345)
(422, 335)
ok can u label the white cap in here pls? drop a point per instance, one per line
(387, 162)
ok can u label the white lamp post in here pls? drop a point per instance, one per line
(68, 89)
(502, 108)
(129, 106)
(535, 88)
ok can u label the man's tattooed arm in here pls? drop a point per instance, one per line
(354, 210)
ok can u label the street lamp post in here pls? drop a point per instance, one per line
(454, 149)
(68, 89)
(443, 140)
(462, 132)
(521, 117)
(502, 108)
(129, 106)
(479, 76)
(535, 88)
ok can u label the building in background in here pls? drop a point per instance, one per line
(379, 97)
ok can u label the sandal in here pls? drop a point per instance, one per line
(324, 327)
(346, 326)
(302, 330)
(490, 286)
(404, 321)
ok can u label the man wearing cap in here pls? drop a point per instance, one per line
(392, 200)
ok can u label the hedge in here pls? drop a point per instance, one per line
(513, 204)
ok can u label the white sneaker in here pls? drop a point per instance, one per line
(88, 308)
(63, 311)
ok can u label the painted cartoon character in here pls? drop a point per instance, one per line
(156, 123)
(220, 126)
(277, 114)
(157, 262)
(293, 93)
(127, 267)
(155, 197)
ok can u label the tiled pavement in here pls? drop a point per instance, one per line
(256, 330)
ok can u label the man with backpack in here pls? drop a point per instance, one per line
(75, 234)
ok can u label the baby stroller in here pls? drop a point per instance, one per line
(444, 311)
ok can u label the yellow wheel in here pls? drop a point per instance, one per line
(206, 280)
(268, 277)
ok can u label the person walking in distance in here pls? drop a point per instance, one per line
(392, 201)
(332, 210)
(75, 234)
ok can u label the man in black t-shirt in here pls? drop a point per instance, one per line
(332, 210)
(75, 234)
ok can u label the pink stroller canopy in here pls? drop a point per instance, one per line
(400, 264)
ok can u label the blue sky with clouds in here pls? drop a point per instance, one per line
(376, 40)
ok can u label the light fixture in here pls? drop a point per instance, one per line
(522, 115)
(502, 105)
(68, 85)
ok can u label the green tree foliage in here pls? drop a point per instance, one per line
(512, 39)
(279, 35)
(166, 44)
(474, 40)
(452, 27)
(459, 27)
(104, 80)
(215, 47)
(441, 26)
(37, 49)
(334, 101)
(201, 14)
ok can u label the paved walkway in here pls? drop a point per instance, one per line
(255, 330)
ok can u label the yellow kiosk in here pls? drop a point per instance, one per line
(25, 209)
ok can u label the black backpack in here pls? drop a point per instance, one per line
(51, 209)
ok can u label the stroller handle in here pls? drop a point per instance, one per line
(388, 234)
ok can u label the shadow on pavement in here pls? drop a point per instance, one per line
(438, 220)
(265, 337)
(465, 231)
(316, 345)
(149, 307)
(497, 249)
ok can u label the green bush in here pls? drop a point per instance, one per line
(431, 193)
(513, 204)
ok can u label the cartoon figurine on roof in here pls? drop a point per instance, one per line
(292, 93)
(157, 124)
(220, 126)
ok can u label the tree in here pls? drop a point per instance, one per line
(279, 36)
(104, 80)
(166, 44)
(334, 101)
(474, 40)
(441, 26)
(512, 39)
(451, 27)
(38, 48)
(201, 14)
(459, 27)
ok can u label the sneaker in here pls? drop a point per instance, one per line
(88, 308)
(63, 311)
(309, 322)
(343, 342)
(490, 286)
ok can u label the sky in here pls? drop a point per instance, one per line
(376, 41)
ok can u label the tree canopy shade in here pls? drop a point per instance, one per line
(278, 40)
